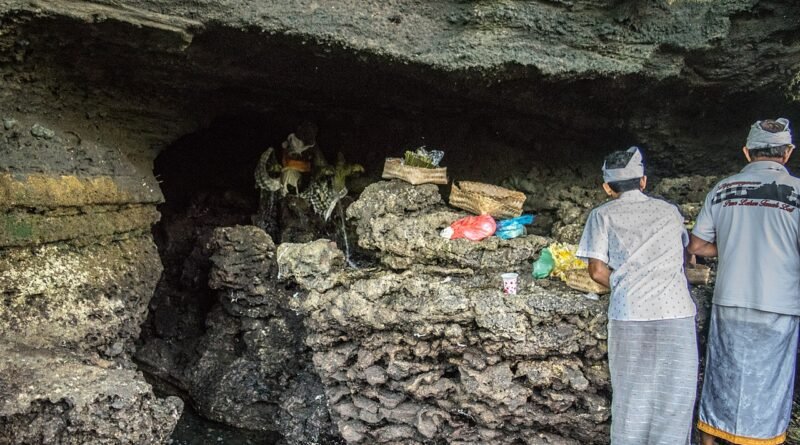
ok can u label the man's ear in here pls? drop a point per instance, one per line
(746, 152)
(607, 189)
(642, 182)
(788, 154)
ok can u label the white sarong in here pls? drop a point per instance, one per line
(653, 368)
(749, 378)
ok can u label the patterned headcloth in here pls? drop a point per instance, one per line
(760, 138)
(634, 169)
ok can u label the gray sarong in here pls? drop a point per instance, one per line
(749, 379)
(653, 368)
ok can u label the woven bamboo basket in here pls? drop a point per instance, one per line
(698, 274)
(394, 168)
(481, 198)
(579, 279)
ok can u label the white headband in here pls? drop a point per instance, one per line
(634, 169)
(760, 138)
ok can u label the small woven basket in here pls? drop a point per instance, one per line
(480, 198)
(394, 168)
(698, 274)
(579, 279)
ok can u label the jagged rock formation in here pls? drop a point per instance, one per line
(432, 350)
(77, 269)
(427, 349)
(689, 192)
(561, 198)
(397, 221)
(250, 368)
(56, 397)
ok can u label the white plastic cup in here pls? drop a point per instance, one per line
(510, 281)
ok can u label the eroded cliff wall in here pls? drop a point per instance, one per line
(78, 267)
(427, 348)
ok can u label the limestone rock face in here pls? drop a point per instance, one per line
(242, 260)
(684, 78)
(317, 264)
(91, 299)
(561, 198)
(403, 222)
(49, 397)
(94, 90)
(559, 38)
(690, 192)
(78, 267)
(435, 352)
(251, 368)
(78, 263)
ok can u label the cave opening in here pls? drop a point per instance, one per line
(527, 96)
(224, 107)
(207, 177)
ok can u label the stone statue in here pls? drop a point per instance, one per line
(329, 185)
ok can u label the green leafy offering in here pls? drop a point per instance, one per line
(413, 159)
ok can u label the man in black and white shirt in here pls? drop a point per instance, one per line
(751, 221)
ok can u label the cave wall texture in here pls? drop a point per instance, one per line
(558, 73)
(93, 91)
(425, 348)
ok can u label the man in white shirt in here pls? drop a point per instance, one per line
(751, 221)
(635, 246)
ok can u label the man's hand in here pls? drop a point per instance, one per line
(701, 247)
(600, 272)
(689, 259)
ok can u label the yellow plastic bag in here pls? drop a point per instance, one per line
(565, 260)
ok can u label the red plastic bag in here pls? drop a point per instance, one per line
(473, 228)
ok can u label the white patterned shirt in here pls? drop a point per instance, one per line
(642, 239)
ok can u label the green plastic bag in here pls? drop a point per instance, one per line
(544, 265)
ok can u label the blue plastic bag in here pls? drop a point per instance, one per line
(512, 231)
(514, 227)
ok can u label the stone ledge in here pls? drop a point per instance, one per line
(91, 299)
(51, 397)
(401, 222)
(93, 12)
(19, 229)
(415, 358)
(51, 191)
